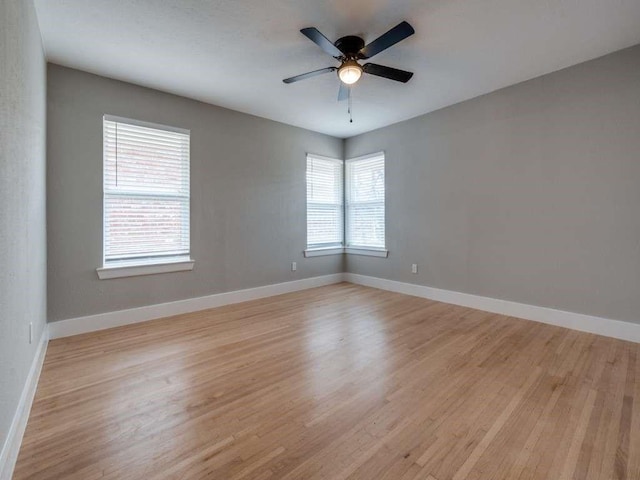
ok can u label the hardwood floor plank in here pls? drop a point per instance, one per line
(339, 382)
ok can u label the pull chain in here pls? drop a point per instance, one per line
(350, 109)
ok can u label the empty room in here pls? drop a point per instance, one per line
(320, 239)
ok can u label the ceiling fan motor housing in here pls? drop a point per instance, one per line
(350, 46)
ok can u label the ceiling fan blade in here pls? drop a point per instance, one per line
(393, 36)
(387, 72)
(323, 42)
(344, 92)
(304, 76)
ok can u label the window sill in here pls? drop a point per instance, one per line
(321, 252)
(369, 252)
(120, 271)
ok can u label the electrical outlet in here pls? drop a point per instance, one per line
(30, 332)
(294, 266)
(414, 268)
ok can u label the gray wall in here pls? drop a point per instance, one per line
(530, 193)
(22, 200)
(248, 202)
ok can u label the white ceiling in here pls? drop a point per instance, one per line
(235, 53)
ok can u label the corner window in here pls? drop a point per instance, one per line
(365, 202)
(325, 202)
(146, 194)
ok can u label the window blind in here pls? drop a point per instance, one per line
(325, 202)
(146, 192)
(365, 201)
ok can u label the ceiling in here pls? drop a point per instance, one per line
(235, 53)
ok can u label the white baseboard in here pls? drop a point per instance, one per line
(11, 448)
(576, 321)
(102, 321)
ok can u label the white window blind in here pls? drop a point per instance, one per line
(365, 201)
(325, 202)
(146, 193)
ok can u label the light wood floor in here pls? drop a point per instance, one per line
(339, 382)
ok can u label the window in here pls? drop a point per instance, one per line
(365, 202)
(325, 202)
(365, 221)
(146, 195)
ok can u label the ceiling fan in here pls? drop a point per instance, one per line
(348, 50)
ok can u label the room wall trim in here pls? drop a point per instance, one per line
(11, 448)
(107, 273)
(102, 321)
(575, 321)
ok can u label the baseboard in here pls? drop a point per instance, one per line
(11, 448)
(576, 321)
(102, 321)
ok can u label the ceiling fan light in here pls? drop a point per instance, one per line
(350, 72)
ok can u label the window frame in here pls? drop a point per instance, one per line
(370, 251)
(144, 265)
(357, 249)
(335, 248)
